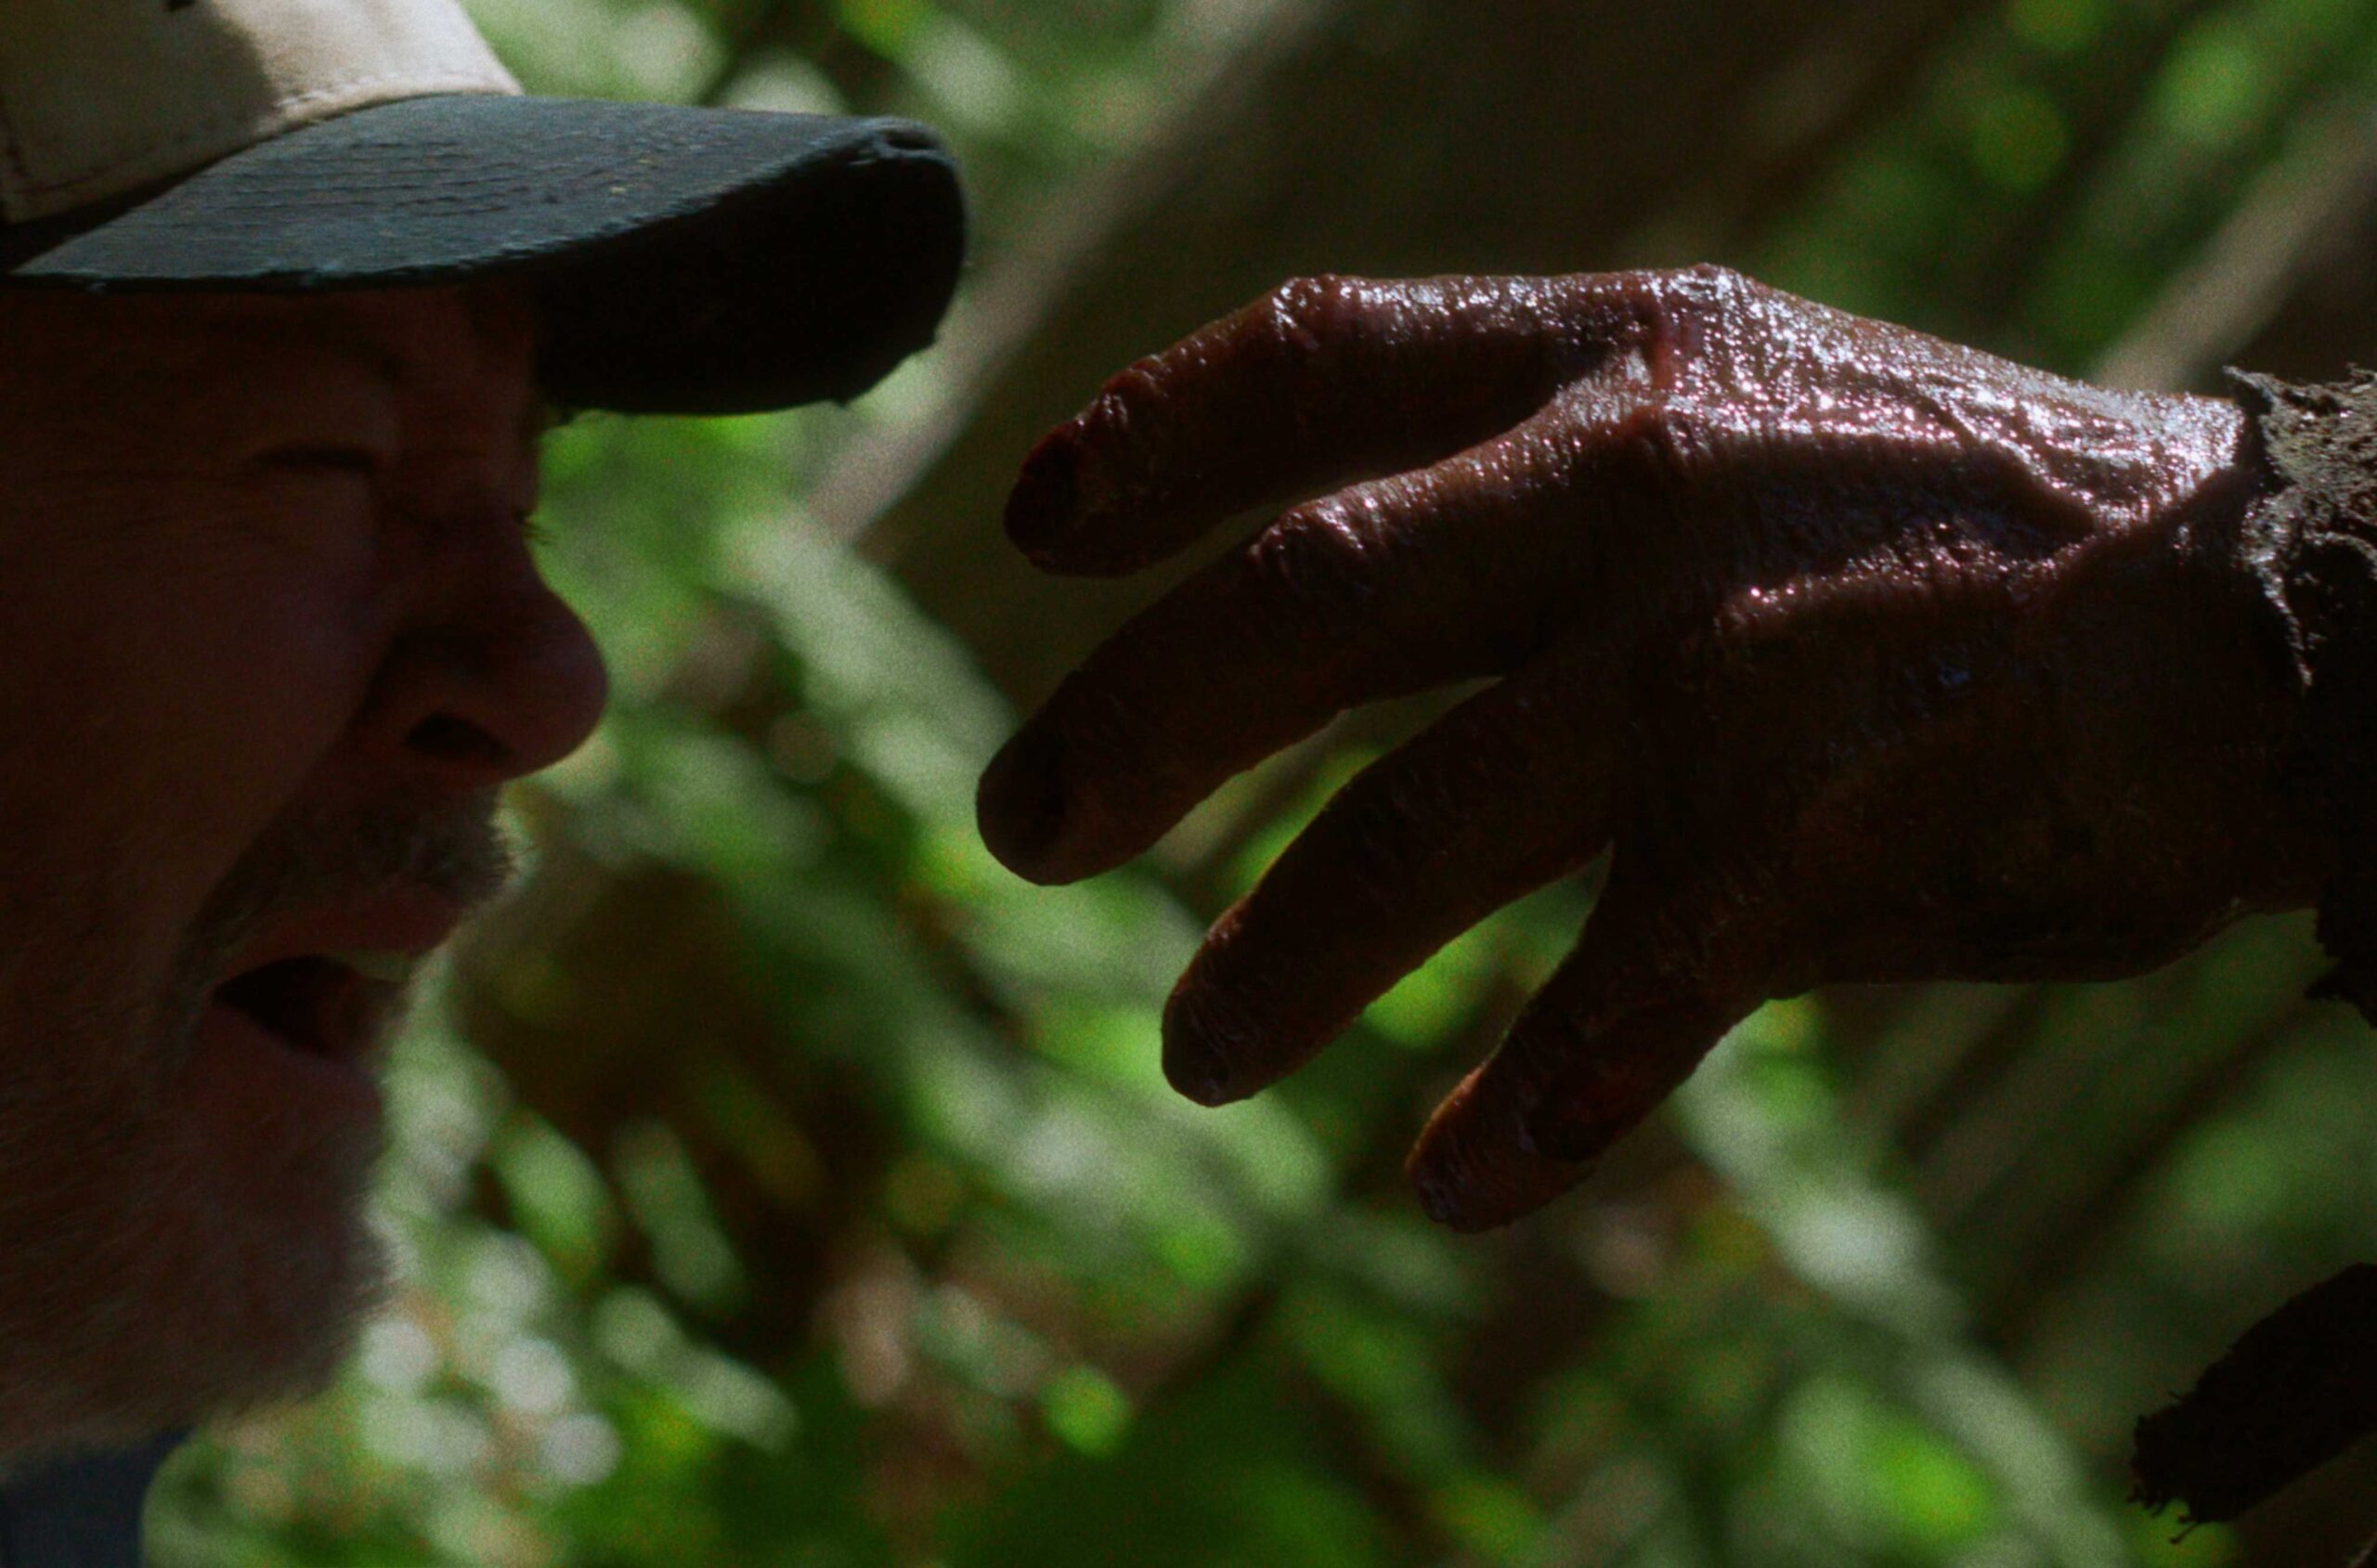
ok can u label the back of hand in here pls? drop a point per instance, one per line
(1867, 655)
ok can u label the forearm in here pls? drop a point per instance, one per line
(2311, 537)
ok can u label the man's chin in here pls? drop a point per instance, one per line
(206, 1254)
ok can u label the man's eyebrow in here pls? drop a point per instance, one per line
(540, 416)
(346, 339)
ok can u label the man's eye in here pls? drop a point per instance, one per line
(359, 462)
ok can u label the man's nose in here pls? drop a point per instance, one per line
(497, 678)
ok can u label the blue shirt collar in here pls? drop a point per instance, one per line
(83, 1512)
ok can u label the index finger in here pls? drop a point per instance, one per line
(1323, 381)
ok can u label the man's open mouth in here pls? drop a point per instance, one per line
(317, 1003)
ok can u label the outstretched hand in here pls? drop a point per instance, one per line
(1870, 656)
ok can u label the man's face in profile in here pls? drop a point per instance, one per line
(270, 637)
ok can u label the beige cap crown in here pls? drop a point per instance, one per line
(101, 97)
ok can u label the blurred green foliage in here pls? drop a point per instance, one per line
(1885, 1286)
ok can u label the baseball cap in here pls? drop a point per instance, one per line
(687, 260)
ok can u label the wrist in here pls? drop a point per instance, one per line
(2309, 538)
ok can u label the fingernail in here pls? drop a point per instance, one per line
(1439, 1199)
(1040, 507)
(1194, 1063)
(1200, 1072)
(1020, 806)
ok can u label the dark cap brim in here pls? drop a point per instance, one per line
(688, 260)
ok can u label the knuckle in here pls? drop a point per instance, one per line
(1313, 553)
(1704, 294)
(1124, 399)
(1709, 286)
(1412, 823)
(1387, 840)
(1714, 276)
(1672, 326)
(1113, 738)
(1664, 441)
(1313, 575)
(1306, 314)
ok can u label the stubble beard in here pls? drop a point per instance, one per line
(157, 1271)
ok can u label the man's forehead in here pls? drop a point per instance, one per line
(404, 334)
(438, 342)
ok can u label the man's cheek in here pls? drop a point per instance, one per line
(202, 723)
(260, 707)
